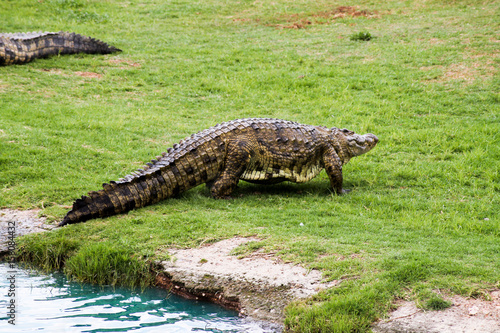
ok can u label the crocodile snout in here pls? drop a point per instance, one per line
(372, 137)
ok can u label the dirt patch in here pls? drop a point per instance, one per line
(20, 223)
(122, 61)
(465, 315)
(307, 19)
(89, 75)
(57, 71)
(481, 67)
(303, 20)
(54, 71)
(260, 286)
(467, 73)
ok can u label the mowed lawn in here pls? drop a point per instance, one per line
(423, 217)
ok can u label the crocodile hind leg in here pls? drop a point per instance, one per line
(237, 159)
(333, 168)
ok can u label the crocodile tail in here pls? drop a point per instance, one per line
(185, 166)
(117, 197)
(156, 182)
(20, 48)
(75, 43)
(109, 201)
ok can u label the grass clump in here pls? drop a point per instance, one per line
(247, 248)
(436, 303)
(106, 265)
(363, 36)
(99, 263)
(350, 308)
(47, 253)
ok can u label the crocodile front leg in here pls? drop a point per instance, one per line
(237, 159)
(333, 167)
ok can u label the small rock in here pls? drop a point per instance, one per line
(473, 311)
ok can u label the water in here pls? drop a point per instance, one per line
(50, 303)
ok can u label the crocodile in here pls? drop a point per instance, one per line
(257, 150)
(21, 48)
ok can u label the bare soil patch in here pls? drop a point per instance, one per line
(259, 286)
(89, 75)
(308, 19)
(465, 315)
(303, 20)
(467, 73)
(54, 71)
(22, 222)
(122, 61)
(57, 71)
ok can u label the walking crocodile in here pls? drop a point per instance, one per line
(20, 48)
(258, 150)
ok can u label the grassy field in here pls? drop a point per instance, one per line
(423, 217)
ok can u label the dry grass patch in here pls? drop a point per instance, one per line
(303, 20)
(468, 73)
(54, 71)
(466, 314)
(122, 61)
(306, 19)
(89, 75)
(58, 71)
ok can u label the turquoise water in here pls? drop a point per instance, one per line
(50, 303)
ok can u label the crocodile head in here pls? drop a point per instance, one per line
(354, 144)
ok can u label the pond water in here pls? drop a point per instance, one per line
(51, 303)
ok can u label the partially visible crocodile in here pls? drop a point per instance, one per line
(258, 150)
(20, 48)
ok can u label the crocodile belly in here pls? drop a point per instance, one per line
(273, 175)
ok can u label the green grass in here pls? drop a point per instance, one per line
(424, 211)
